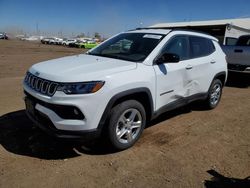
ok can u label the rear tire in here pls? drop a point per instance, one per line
(214, 94)
(126, 124)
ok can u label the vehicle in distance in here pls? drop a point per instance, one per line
(88, 44)
(57, 41)
(31, 38)
(238, 56)
(47, 40)
(4, 36)
(69, 41)
(52, 40)
(123, 83)
(75, 44)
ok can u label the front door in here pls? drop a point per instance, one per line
(171, 78)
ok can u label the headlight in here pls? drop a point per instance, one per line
(81, 87)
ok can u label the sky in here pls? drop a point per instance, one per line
(72, 17)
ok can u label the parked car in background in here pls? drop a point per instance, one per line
(117, 87)
(60, 42)
(19, 37)
(68, 41)
(4, 36)
(57, 41)
(88, 44)
(75, 44)
(32, 38)
(46, 40)
(238, 56)
(78, 43)
(64, 41)
(52, 40)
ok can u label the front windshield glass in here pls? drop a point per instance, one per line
(128, 46)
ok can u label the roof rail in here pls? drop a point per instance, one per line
(188, 28)
(141, 28)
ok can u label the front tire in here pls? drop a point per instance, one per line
(214, 94)
(126, 124)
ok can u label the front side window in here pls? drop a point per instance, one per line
(179, 46)
(128, 46)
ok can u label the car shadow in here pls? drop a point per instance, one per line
(237, 79)
(20, 136)
(173, 113)
(220, 181)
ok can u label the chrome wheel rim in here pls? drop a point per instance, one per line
(215, 94)
(128, 126)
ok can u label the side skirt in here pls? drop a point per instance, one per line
(179, 103)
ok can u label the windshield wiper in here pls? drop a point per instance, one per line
(104, 55)
(113, 56)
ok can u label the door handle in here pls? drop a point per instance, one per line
(188, 67)
(213, 62)
(238, 50)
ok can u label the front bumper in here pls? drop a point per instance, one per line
(60, 109)
(43, 121)
(55, 119)
(46, 125)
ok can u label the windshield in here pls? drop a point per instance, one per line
(128, 46)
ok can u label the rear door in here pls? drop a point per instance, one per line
(199, 68)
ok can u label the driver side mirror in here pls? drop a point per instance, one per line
(167, 58)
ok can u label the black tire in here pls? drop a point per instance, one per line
(213, 99)
(115, 125)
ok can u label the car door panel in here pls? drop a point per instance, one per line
(201, 61)
(171, 77)
(169, 83)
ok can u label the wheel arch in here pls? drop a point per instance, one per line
(221, 76)
(142, 95)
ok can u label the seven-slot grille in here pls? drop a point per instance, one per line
(40, 85)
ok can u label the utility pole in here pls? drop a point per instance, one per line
(37, 31)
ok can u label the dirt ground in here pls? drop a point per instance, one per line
(188, 147)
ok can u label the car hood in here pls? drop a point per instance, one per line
(79, 68)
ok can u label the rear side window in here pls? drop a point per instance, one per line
(200, 46)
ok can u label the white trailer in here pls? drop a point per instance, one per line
(227, 31)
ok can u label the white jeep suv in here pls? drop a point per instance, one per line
(124, 82)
